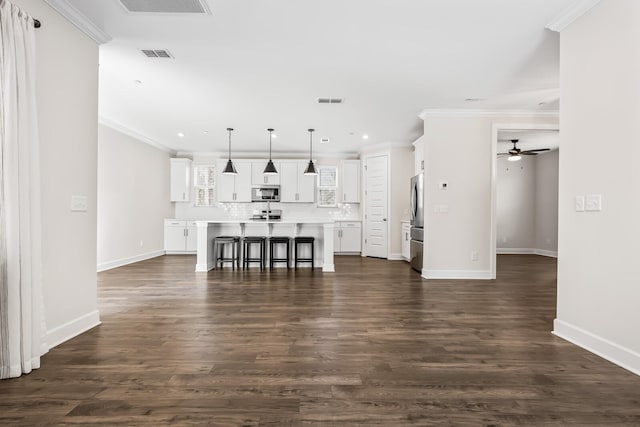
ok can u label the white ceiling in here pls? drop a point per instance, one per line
(254, 64)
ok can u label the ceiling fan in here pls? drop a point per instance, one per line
(516, 154)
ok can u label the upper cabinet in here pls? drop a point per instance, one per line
(418, 156)
(296, 187)
(180, 180)
(351, 181)
(234, 188)
(259, 178)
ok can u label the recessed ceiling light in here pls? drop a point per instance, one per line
(352, 133)
(137, 82)
(365, 136)
(206, 132)
(180, 135)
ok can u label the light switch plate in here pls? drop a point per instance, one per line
(593, 202)
(79, 203)
(579, 203)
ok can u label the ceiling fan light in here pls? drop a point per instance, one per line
(311, 169)
(514, 158)
(230, 169)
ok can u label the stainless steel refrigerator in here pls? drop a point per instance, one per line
(417, 221)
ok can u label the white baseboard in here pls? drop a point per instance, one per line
(526, 251)
(550, 254)
(396, 257)
(65, 332)
(614, 353)
(129, 260)
(456, 274)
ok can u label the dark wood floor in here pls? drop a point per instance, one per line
(370, 344)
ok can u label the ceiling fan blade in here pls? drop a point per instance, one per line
(528, 153)
(540, 150)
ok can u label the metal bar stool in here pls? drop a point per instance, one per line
(302, 240)
(219, 245)
(273, 241)
(246, 250)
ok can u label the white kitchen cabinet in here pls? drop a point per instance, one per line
(406, 240)
(351, 181)
(180, 236)
(418, 155)
(296, 187)
(180, 180)
(259, 178)
(234, 188)
(347, 237)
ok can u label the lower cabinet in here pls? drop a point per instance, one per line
(406, 240)
(180, 236)
(347, 237)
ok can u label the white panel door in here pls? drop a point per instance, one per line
(243, 182)
(351, 181)
(225, 186)
(306, 185)
(376, 212)
(289, 186)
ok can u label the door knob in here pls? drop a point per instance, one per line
(384, 219)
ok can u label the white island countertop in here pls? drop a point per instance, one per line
(321, 230)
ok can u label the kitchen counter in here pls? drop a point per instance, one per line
(321, 230)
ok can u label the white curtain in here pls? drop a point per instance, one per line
(21, 305)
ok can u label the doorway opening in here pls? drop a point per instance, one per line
(524, 205)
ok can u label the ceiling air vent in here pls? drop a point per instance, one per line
(324, 140)
(330, 100)
(166, 6)
(156, 53)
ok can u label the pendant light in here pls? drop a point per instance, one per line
(270, 169)
(514, 157)
(230, 169)
(311, 169)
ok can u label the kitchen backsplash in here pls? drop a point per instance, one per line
(290, 211)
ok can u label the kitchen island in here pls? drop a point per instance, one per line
(321, 230)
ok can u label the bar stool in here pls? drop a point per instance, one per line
(220, 243)
(302, 240)
(273, 241)
(246, 250)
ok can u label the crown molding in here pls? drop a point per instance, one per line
(384, 146)
(486, 113)
(569, 15)
(133, 134)
(277, 156)
(77, 18)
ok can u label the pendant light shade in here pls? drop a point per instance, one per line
(514, 158)
(311, 169)
(229, 169)
(270, 169)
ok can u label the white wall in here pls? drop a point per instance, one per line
(546, 240)
(458, 150)
(598, 269)
(527, 205)
(67, 84)
(516, 203)
(133, 199)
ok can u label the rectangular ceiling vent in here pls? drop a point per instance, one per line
(166, 6)
(324, 140)
(330, 100)
(156, 53)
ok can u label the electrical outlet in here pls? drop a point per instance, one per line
(579, 203)
(593, 203)
(474, 256)
(79, 203)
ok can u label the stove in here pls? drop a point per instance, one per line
(267, 215)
